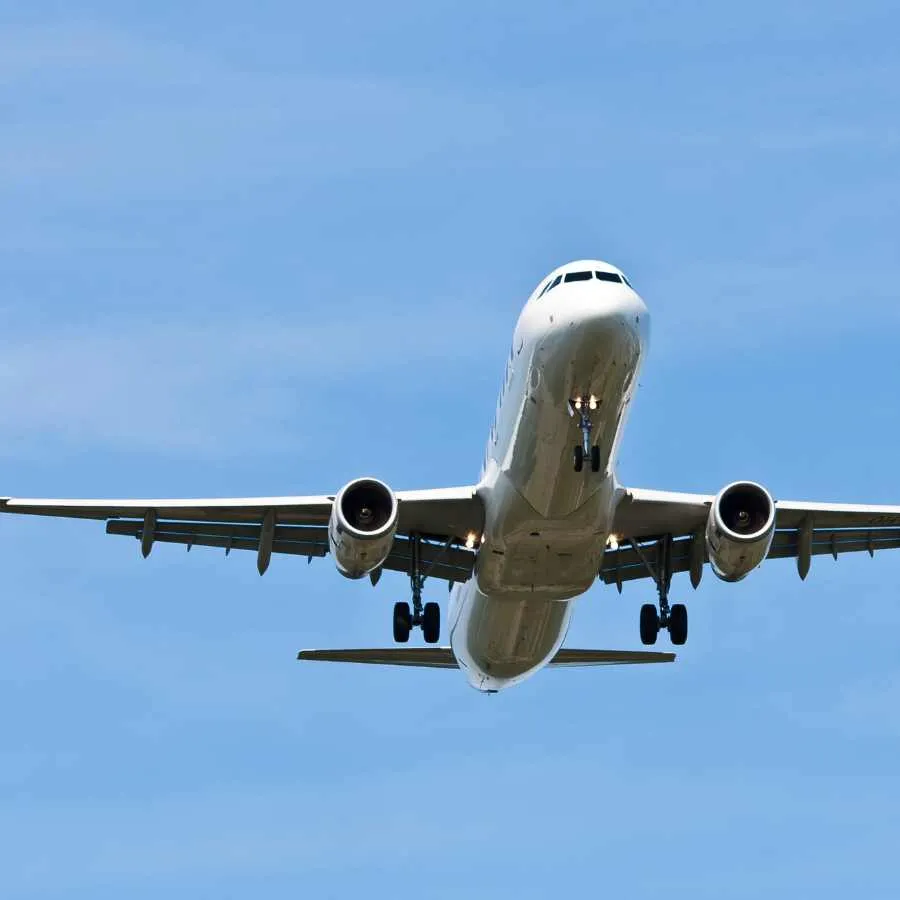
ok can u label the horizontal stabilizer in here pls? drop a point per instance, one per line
(421, 657)
(609, 657)
(443, 658)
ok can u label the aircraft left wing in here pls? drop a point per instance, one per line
(442, 519)
(802, 530)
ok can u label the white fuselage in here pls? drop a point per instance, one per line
(546, 525)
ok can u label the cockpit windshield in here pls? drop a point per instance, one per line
(609, 276)
(584, 276)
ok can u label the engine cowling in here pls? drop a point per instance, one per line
(362, 526)
(739, 529)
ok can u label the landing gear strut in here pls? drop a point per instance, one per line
(673, 618)
(427, 615)
(585, 450)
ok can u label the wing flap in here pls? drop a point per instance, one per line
(442, 561)
(624, 564)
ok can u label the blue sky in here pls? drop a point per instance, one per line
(265, 249)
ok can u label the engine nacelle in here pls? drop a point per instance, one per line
(362, 526)
(739, 529)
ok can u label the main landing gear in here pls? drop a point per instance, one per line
(427, 615)
(673, 618)
(585, 451)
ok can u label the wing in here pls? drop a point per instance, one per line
(442, 519)
(802, 530)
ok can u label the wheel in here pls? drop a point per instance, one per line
(595, 458)
(402, 622)
(431, 623)
(579, 458)
(649, 624)
(678, 624)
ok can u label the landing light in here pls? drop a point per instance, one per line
(578, 403)
(470, 540)
(593, 402)
(612, 542)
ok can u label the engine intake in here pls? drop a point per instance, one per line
(362, 526)
(740, 529)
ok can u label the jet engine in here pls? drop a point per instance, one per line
(739, 529)
(362, 526)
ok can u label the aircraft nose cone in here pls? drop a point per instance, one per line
(610, 308)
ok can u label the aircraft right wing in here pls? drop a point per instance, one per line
(441, 519)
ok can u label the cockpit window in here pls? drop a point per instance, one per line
(553, 283)
(609, 276)
(578, 276)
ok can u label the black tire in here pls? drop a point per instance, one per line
(595, 458)
(402, 622)
(649, 624)
(579, 458)
(678, 624)
(431, 623)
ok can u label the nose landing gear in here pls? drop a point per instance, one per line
(585, 450)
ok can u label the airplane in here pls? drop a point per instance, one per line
(546, 518)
